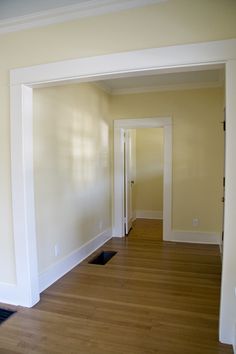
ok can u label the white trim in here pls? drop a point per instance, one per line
(127, 63)
(8, 294)
(227, 307)
(114, 65)
(158, 88)
(70, 12)
(196, 237)
(57, 270)
(118, 200)
(161, 88)
(149, 214)
(23, 195)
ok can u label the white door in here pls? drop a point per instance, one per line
(128, 180)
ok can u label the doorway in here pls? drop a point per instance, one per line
(25, 292)
(143, 175)
(119, 203)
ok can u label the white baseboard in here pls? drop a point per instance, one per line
(57, 270)
(9, 294)
(134, 215)
(149, 214)
(196, 237)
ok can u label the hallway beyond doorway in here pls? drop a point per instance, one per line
(152, 297)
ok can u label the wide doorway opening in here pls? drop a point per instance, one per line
(22, 82)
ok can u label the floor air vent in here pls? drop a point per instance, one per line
(103, 257)
(5, 314)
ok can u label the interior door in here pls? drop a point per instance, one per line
(128, 180)
(223, 197)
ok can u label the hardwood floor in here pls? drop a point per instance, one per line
(151, 298)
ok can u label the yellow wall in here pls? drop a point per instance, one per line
(72, 153)
(173, 22)
(198, 152)
(71, 168)
(149, 169)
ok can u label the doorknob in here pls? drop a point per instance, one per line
(132, 182)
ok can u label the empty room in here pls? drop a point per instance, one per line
(118, 176)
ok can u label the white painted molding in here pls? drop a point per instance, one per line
(57, 270)
(118, 201)
(95, 68)
(195, 237)
(161, 88)
(104, 85)
(71, 12)
(124, 64)
(149, 214)
(9, 294)
(23, 198)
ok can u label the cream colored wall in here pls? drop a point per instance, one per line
(71, 168)
(198, 152)
(170, 23)
(149, 169)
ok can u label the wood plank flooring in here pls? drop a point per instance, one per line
(152, 297)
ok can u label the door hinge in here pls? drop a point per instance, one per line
(224, 122)
(224, 125)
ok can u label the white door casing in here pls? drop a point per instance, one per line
(118, 205)
(22, 80)
(128, 181)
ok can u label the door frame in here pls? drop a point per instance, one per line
(164, 59)
(120, 125)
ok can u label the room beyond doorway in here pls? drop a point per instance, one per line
(143, 182)
(120, 126)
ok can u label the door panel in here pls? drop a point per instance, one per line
(128, 181)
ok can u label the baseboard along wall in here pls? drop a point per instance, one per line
(57, 270)
(181, 235)
(196, 237)
(149, 214)
(9, 294)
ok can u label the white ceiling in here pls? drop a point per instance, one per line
(16, 15)
(187, 78)
(15, 8)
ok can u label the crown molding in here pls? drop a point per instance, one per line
(159, 88)
(71, 12)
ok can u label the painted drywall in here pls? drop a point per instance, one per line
(71, 169)
(198, 153)
(170, 23)
(149, 170)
